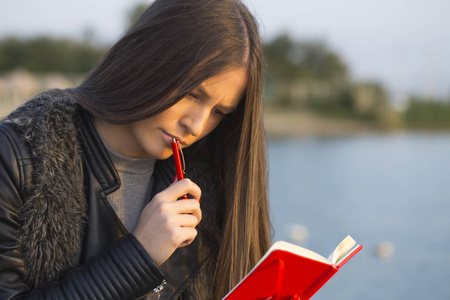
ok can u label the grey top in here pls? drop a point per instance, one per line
(136, 177)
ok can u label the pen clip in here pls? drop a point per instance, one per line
(182, 158)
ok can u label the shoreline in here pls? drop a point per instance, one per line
(280, 124)
(302, 124)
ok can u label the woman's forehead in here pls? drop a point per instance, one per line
(227, 86)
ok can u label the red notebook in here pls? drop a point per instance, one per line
(288, 271)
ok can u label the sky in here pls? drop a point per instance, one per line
(403, 44)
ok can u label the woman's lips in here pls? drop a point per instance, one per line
(169, 138)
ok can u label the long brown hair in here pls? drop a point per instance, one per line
(173, 47)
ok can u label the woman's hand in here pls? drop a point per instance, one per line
(166, 224)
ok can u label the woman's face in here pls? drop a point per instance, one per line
(192, 118)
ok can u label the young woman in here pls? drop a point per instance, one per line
(88, 206)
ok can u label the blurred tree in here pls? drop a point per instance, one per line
(12, 53)
(89, 35)
(288, 59)
(308, 75)
(46, 54)
(136, 12)
(427, 113)
(303, 72)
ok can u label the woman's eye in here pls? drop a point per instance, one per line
(194, 96)
(219, 113)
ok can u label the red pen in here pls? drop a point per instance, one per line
(177, 160)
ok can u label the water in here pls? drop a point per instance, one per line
(376, 188)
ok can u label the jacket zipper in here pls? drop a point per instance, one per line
(159, 288)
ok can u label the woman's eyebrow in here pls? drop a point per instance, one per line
(200, 89)
(226, 109)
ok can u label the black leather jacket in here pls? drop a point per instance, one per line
(111, 264)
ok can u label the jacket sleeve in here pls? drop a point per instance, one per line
(124, 271)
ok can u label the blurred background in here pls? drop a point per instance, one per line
(357, 112)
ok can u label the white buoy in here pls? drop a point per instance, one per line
(385, 250)
(298, 233)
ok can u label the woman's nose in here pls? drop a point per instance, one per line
(195, 121)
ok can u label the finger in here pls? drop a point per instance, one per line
(180, 188)
(188, 206)
(188, 221)
(189, 234)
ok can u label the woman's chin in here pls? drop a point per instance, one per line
(165, 154)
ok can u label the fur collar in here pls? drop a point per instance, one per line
(54, 213)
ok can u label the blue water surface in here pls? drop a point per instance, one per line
(378, 188)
